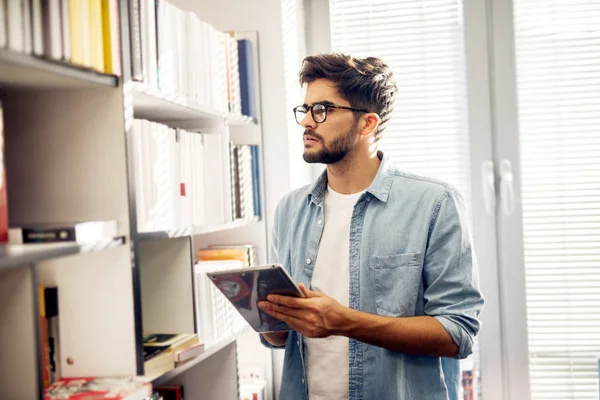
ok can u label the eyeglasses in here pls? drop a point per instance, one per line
(319, 111)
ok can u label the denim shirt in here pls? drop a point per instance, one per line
(410, 255)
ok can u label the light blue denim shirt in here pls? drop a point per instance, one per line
(410, 255)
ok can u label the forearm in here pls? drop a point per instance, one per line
(275, 338)
(421, 335)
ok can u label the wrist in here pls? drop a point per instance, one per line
(345, 322)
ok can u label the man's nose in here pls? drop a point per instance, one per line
(308, 121)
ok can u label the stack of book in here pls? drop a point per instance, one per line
(216, 317)
(118, 388)
(245, 189)
(163, 352)
(186, 58)
(182, 178)
(246, 253)
(188, 179)
(81, 32)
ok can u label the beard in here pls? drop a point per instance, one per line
(333, 152)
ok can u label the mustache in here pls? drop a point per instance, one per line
(313, 134)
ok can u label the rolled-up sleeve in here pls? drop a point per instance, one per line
(451, 278)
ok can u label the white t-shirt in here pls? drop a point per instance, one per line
(327, 360)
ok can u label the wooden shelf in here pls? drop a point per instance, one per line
(197, 230)
(13, 255)
(23, 71)
(209, 350)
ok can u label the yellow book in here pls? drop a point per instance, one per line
(110, 37)
(95, 35)
(224, 254)
(76, 31)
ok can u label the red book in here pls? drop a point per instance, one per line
(119, 388)
(3, 195)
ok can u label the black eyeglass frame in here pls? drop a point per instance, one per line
(327, 107)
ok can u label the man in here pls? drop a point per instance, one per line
(386, 254)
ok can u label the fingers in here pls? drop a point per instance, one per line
(286, 301)
(294, 312)
(289, 319)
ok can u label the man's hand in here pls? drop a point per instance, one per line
(315, 316)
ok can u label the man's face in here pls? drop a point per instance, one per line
(329, 141)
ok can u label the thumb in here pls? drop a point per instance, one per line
(306, 291)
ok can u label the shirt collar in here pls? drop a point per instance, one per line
(379, 188)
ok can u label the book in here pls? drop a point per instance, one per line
(80, 232)
(44, 339)
(95, 44)
(52, 40)
(170, 392)
(36, 26)
(135, 40)
(256, 180)
(111, 37)
(14, 25)
(2, 24)
(118, 388)
(244, 253)
(3, 190)
(51, 310)
(188, 353)
(163, 351)
(174, 341)
(247, 84)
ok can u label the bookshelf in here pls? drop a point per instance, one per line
(15, 255)
(19, 71)
(69, 156)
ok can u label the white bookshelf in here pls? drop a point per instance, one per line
(68, 155)
(21, 71)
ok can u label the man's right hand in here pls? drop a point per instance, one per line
(275, 338)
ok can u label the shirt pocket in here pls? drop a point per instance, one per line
(397, 278)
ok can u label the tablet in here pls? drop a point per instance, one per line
(245, 287)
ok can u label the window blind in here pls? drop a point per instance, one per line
(558, 78)
(423, 41)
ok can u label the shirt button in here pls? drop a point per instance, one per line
(320, 222)
(298, 342)
(302, 380)
(308, 261)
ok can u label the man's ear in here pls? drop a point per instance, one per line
(370, 124)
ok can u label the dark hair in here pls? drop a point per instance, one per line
(366, 83)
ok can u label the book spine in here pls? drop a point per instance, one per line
(50, 235)
(3, 191)
(135, 40)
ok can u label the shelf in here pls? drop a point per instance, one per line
(150, 104)
(169, 234)
(24, 71)
(13, 255)
(238, 223)
(240, 120)
(197, 230)
(208, 351)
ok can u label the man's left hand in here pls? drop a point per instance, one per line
(315, 316)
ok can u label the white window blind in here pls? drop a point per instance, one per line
(558, 77)
(423, 41)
